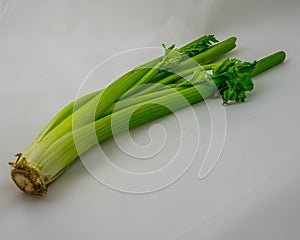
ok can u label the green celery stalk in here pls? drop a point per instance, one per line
(55, 147)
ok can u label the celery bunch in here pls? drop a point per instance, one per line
(187, 73)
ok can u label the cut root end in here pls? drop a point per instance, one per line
(28, 179)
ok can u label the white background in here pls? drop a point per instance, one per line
(46, 50)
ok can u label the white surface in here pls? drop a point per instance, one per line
(47, 48)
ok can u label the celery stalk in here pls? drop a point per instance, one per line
(61, 142)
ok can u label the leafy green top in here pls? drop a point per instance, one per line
(233, 79)
(198, 46)
(174, 56)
